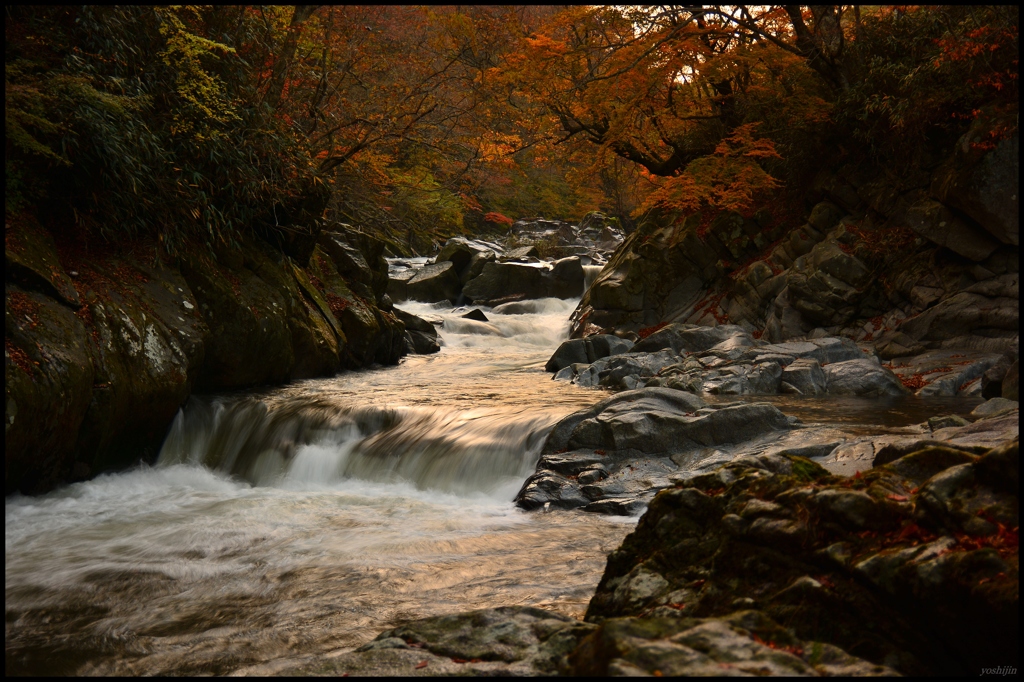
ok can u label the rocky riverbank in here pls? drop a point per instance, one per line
(103, 348)
(769, 546)
(767, 565)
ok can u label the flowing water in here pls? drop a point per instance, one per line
(304, 520)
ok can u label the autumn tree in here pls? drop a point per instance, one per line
(719, 104)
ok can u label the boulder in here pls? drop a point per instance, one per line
(500, 281)
(433, 283)
(421, 335)
(864, 378)
(349, 261)
(522, 253)
(743, 379)
(993, 407)
(944, 372)
(398, 284)
(984, 184)
(48, 384)
(612, 458)
(689, 338)
(936, 223)
(983, 317)
(460, 252)
(827, 284)
(565, 280)
(825, 555)
(804, 377)
(475, 314)
(585, 350)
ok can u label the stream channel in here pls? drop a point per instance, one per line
(302, 521)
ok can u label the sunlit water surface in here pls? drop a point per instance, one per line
(304, 520)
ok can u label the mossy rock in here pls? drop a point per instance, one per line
(48, 380)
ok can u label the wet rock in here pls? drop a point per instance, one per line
(586, 350)
(743, 643)
(862, 378)
(762, 378)
(930, 564)
(433, 283)
(621, 451)
(944, 372)
(48, 385)
(422, 336)
(522, 253)
(565, 280)
(625, 370)
(464, 254)
(688, 338)
(616, 506)
(923, 463)
(475, 314)
(369, 333)
(500, 280)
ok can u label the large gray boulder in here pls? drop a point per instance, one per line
(421, 336)
(434, 283)
(467, 255)
(565, 280)
(498, 281)
(865, 378)
(586, 350)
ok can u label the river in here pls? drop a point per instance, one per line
(304, 520)
(298, 522)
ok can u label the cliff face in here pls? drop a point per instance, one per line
(101, 349)
(906, 263)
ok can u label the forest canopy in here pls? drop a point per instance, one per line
(197, 124)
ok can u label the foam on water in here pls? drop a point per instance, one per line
(308, 518)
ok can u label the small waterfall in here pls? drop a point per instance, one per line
(296, 443)
(590, 273)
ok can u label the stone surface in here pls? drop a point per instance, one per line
(433, 283)
(862, 378)
(935, 222)
(911, 565)
(632, 442)
(112, 374)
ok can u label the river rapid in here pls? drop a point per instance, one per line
(300, 522)
(304, 520)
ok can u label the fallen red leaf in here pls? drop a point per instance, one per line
(421, 664)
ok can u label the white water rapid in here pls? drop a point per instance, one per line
(302, 521)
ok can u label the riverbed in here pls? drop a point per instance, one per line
(282, 525)
(302, 521)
